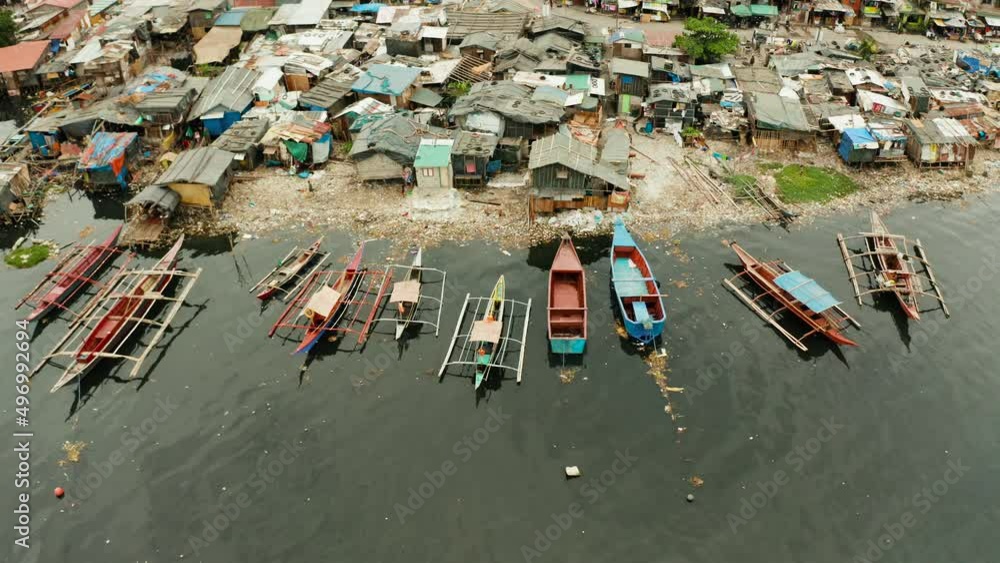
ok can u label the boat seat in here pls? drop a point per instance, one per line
(641, 313)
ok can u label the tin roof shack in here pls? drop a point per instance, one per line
(920, 94)
(616, 150)
(565, 174)
(433, 39)
(432, 165)
(202, 15)
(939, 141)
(627, 44)
(629, 77)
(506, 109)
(857, 146)
(482, 44)
(662, 69)
(15, 182)
(147, 215)
(304, 70)
(673, 104)
(305, 13)
(891, 139)
(243, 140)
(163, 111)
(985, 127)
(332, 94)
(462, 23)
(403, 38)
(386, 144)
(352, 118)
(224, 101)
(200, 177)
(388, 84)
(779, 123)
(757, 79)
(471, 156)
(106, 160)
(302, 139)
(18, 64)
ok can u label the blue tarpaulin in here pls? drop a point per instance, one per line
(106, 156)
(371, 8)
(857, 145)
(807, 291)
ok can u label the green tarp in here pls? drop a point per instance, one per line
(299, 151)
(755, 10)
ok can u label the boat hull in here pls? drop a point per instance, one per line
(567, 345)
(635, 287)
(637, 330)
(85, 268)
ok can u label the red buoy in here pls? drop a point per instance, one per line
(59, 492)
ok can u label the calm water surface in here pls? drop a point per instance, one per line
(225, 452)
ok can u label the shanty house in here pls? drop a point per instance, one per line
(481, 44)
(199, 176)
(778, 123)
(628, 80)
(627, 44)
(506, 109)
(432, 165)
(857, 146)
(302, 139)
(332, 94)
(224, 101)
(106, 160)
(18, 63)
(673, 103)
(566, 174)
(939, 141)
(243, 140)
(14, 183)
(891, 139)
(163, 111)
(387, 83)
(471, 156)
(202, 14)
(385, 144)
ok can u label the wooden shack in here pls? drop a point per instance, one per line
(432, 165)
(14, 185)
(566, 174)
(199, 176)
(939, 141)
(471, 156)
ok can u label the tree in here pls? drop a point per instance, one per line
(8, 29)
(706, 40)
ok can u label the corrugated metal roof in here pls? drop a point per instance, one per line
(561, 148)
(307, 12)
(242, 135)
(385, 80)
(326, 94)
(203, 165)
(629, 67)
(230, 90)
(433, 153)
(100, 6)
(461, 24)
(23, 56)
(232, 18)
(509, 99)
(475, 144)
(425, 97)
(215, 46)
(257, 19)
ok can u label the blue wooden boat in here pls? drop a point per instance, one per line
(635, 288)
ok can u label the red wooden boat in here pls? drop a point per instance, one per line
(896, 271)
(796, 293)
(77, 273)
(124, 317)
(288, 270)
(567, 301)
(324, 305)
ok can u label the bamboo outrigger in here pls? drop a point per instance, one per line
(408, 299)
(891, 268)
(794, 293)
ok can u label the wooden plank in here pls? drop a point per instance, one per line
(524, 336)
(178, 302)
(763, 314)
(850, 266)
(919, 249)
(454, 338)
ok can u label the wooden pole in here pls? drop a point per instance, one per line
(454, 338)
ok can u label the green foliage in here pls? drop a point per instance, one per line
(868, 49)
(210, 70)
(706, 40)
(770, 166)
(458, 89)
(805, 184)
(690, 132)
(27, 257)
(345, 148)
(8, 29)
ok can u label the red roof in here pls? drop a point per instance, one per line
(23, 56)
(67, 25)
(65, 4)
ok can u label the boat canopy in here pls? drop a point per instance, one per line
(622, 236)
(806, 290)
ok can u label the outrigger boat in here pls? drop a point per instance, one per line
(325, 304)
(638, 294)
(408, 298)
(567, 301)
(124, 317)
(81, 270)
(487, 332)
(288, 269)
(793, 292)
(894, 267)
